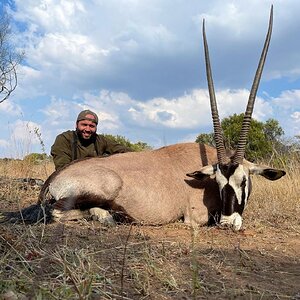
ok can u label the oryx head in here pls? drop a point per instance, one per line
(233, 173)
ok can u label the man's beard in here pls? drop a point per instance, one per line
(83, 140)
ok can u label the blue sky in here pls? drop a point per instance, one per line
(139, 65)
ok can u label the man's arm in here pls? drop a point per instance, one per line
(61, 151)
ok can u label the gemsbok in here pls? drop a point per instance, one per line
(158, 186)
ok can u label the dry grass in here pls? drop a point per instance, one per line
(276, 203)
(21, 168)
(83, 260)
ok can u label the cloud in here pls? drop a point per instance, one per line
(141, 68)
(190, 111)
(288, 100)
(29, 84)
(75, 51)
(57, 112)
(23, 139)
(4, 144)
(10, 108)
(296, 116)
(186, 111)
(49, 15)
(114, 44)
(25, 131)
(287, 107)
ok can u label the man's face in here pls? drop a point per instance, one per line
(86, 127)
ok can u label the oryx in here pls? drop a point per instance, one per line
(151, 187)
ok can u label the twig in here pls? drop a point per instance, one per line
(124, 260)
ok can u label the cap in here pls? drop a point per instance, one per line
(86, 115)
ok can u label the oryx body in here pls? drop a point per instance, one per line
(149, 187)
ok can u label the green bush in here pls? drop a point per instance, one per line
(139, 146)
(36, 158)
(263, 138)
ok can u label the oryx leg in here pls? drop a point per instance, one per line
(69, 215)
(102, 215)
(95, 213)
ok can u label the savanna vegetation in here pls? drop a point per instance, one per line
(85, 260)
(266, 139)
(138, 146)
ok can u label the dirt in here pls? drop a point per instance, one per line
(84, 260)
(168, 262)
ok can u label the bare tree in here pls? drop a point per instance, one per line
(9, 60)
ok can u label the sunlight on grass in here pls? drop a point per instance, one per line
(84, 260)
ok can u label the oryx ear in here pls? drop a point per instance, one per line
(203, 173)
(269, 173)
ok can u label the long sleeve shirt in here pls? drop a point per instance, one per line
(68, 147)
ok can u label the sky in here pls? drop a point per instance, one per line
(139, 64)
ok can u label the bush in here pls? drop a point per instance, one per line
(139, 146)
(36, 158)
(263, 138)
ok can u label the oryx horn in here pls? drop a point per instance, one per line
(221, 153)
(240, 150)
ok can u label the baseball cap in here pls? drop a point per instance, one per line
(83, 116)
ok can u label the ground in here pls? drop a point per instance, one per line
(142, 262)
(85, 260)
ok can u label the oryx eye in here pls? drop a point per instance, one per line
(243, 183)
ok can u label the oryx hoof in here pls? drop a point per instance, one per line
(102, 216)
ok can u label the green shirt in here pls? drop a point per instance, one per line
(68, 146)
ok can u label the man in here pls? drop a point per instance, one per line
(83, 142)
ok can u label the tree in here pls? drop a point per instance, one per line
(206, 138)
(139, 146)
(263, 137)
(36, 158)
(9, 60)
(272, 130)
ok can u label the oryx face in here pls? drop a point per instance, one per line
(235, 186)
(233, 174)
